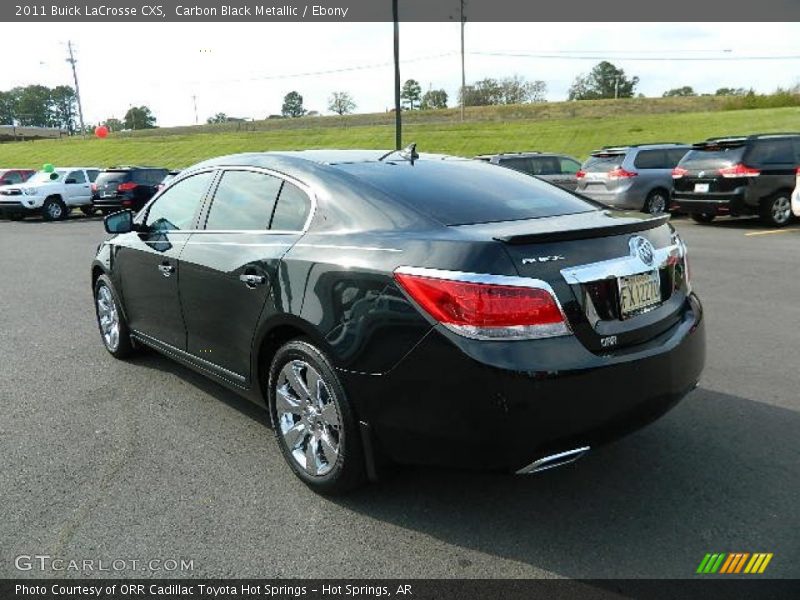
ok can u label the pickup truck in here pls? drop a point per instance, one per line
(50, 194)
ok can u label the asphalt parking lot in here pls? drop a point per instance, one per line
(104, 459)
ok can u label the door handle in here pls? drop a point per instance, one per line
(166, 269)
(251, 280)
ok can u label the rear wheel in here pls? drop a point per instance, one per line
(314, 423)
(656, 202)
(703, 217)
(777, 210)
(54, 209)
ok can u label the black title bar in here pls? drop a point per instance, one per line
(410, 10)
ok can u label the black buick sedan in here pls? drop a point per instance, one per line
(387, 307)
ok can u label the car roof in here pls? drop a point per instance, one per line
(133, 167)
(620, 149)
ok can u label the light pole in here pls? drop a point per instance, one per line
(71, 60)
(398, 121)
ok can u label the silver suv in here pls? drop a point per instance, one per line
(637, 177)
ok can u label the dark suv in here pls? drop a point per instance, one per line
(743, 175)
(558, 169)
(126, 187)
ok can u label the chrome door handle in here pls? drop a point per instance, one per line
(251, 280)
(166, 270)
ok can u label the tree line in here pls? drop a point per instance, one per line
(40, 106)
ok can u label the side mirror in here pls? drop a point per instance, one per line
(70, 180)
(119, 222)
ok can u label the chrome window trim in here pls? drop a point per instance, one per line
(623, 266)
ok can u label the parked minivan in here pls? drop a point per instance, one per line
(637, 177)
(739, 175)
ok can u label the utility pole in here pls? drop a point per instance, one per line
(398, 121)
(71, 60)
(463, 75)
(194, 100)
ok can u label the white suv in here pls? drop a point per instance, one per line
(51, 194)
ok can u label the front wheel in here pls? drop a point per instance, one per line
(54, 209)
(314, 424)
(777, 210)
(703, 217)
(110, 320)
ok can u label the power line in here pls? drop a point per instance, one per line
(638, 58)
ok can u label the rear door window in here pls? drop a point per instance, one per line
(244, 200)
(77, 176)
(602, 163)
(771, 152)
(651, 159)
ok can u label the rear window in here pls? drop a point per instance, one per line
(113, 177)
(601, 163)
(461, 192)
(712, 157)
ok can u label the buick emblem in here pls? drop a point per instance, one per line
(701, 174)
(643, 249)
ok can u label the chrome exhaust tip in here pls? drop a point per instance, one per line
(554, 460)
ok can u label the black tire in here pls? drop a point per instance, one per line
(703, 217)
(54, 209)
(657, 202)
(776, 210)
(124, 347)
(88, 210)
(348, 470)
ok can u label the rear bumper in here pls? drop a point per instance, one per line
(115, 203)
(733, 203)
(623, 199)
(440, 406)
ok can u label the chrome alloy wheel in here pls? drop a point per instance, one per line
(108, 317)
(781, 210)
(308, 417)
(54, 211)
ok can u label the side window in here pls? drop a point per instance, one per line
(175, 208)
(518, 164)
(292, 209)
(244, 200)
(78, 176)
(651, 159)
(771, 152)
(569, 166)
(13, 177)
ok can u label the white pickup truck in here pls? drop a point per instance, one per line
(51, 194)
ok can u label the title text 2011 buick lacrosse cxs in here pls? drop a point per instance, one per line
(424, 310)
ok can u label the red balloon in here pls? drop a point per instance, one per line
(101, 131)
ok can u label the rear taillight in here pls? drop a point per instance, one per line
(485, 306)
(94, 187)
(620, 173)
(126, 187)
(797, 171)
(739, 170)
(580, 174)
(679, 172)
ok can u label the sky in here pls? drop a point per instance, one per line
(245, 69)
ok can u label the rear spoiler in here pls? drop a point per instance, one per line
(631, 225)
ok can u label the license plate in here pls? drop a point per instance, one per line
(701, 187)
(107, 194)
(638, 293)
